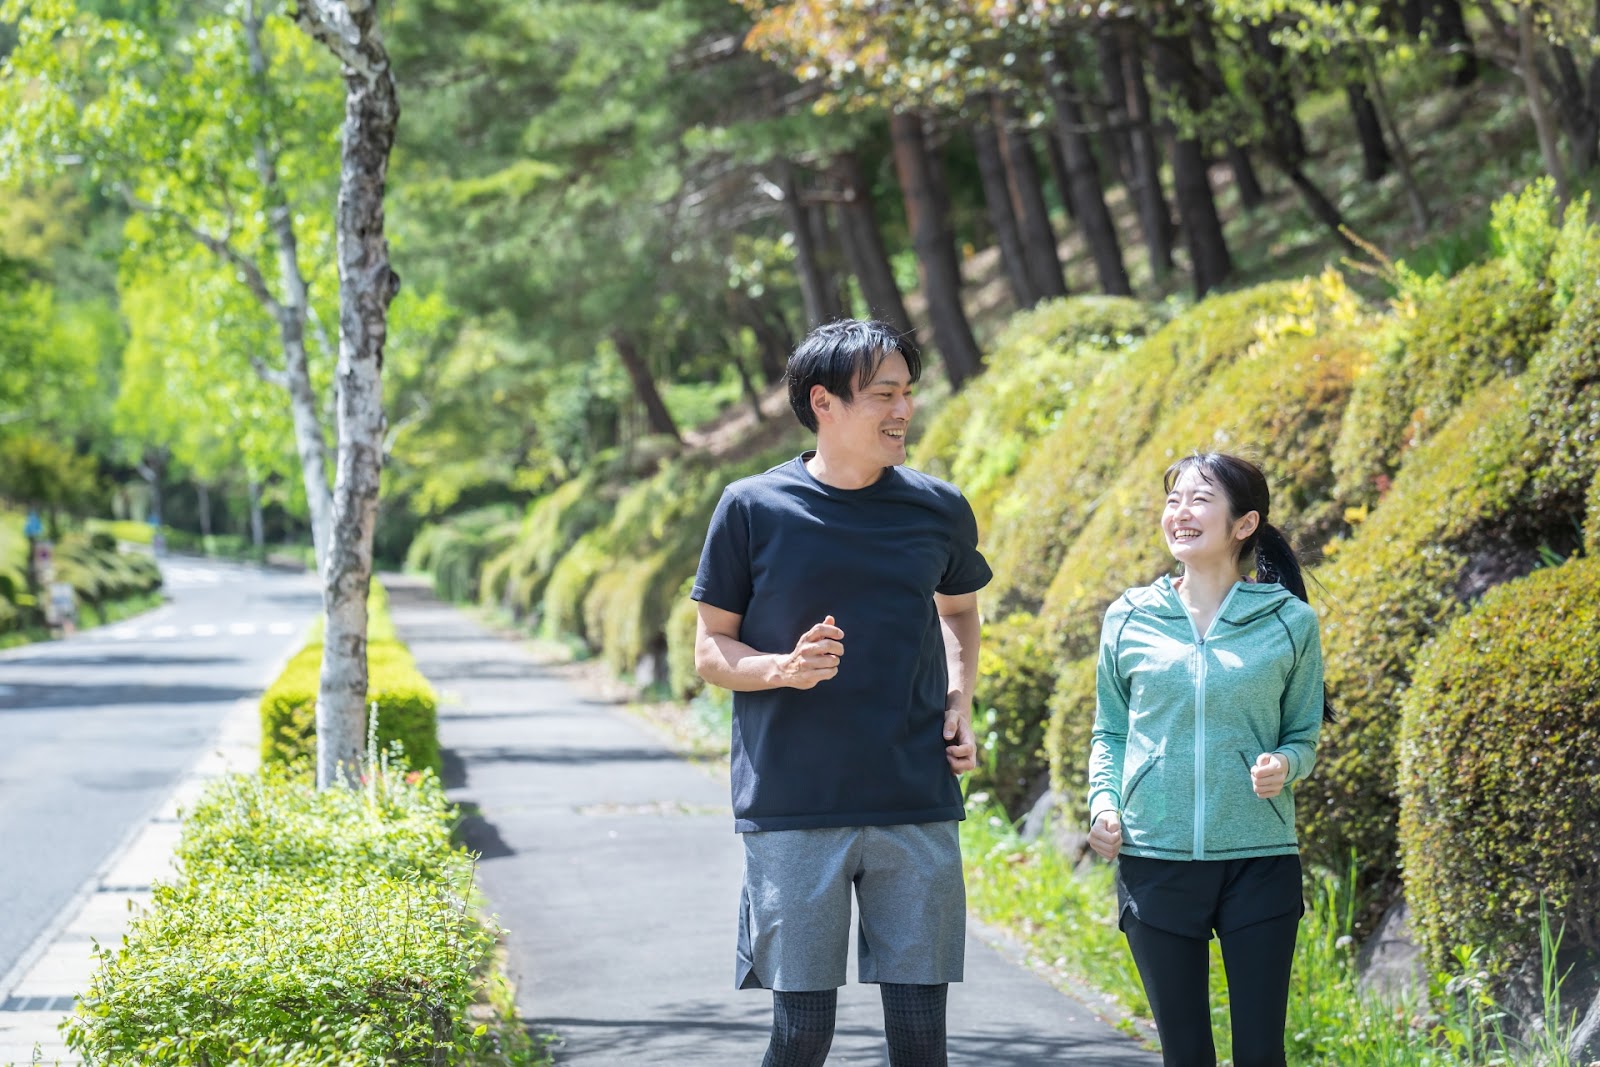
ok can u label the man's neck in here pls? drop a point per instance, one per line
(833, 470)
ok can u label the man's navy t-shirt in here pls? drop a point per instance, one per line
(866, 747)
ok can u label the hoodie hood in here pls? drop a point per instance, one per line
(1249, 600)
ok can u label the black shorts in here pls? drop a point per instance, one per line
(1192, 898)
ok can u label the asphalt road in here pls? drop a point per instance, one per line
(97, 729)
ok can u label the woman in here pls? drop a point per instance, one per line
(1209, 705)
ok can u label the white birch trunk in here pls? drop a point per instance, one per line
(366, 286)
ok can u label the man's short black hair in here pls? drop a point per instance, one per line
(837, 355)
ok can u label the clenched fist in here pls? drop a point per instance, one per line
(815, 658)
(1105, 836)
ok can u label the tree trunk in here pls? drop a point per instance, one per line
(772, 343)
(1450, 22)
(1375, 158)
(1244, 177)
(1577, 102)
(657, 416)
(1197, 208)
(997, 196)
(258, 530)
(935, 248)
(1060, 174)
(1155, 219)
(829, 260)
(1543, 124)
(1274, 92)
(1116, 137)
(752, 395)
(1408, 177)
(367, 284)
(1210, 84)
(291, 312)
(1027, 196)
(813, 285)
(203, 505)
(1083, 181)
(863, 240)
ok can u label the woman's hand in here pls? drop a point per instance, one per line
(1105, 836)
(1269, 774)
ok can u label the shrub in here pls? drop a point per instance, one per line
(1042, 360)
(1015, 676)
(553, 525)
(408, 710)
(568, 587)
(1591, 524)
(455, 550)
(1062, 474)
(1483, 501)
(310, 928)
(1069, 732)
(1500, 771)
(1483, 325)
(682, 621)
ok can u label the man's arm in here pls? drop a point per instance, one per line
(724, 660)
(962, 626)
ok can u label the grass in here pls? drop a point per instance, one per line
(1068, 919)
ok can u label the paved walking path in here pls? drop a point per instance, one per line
(613, 864)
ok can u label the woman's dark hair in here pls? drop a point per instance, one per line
(1245, 486)
(837, 355)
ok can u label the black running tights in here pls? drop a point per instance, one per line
(913, 1020)
(1257, 961)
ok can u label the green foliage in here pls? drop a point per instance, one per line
(620, 583)
(47, 473)
(1037, 368)
(1067, 738)
(1480, 502)
(1484, 324)
(1591, 524)
(553, 525)
(1523, 233)
(1015, 676)
(683, 618)
(310, 928)
(455, 551)
(99, 576)
(1499, 772)
(1062, 475)
(408, 708)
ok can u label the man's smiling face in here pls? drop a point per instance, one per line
(873, 425)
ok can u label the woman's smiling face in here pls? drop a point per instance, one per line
(1198, 525)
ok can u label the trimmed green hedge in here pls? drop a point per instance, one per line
(1500, 771)
(455, 551)
(1483, 325)
(1015, 676)
(408, 708)
(1036, 371)
(516, 578)
(319, 929)
(1124, 394)
(682, 624)
(1481, 502)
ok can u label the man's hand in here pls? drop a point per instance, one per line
(960, 746)
(1105, 836)
(1267, 777)
(815, 658)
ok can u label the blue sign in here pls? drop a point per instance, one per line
(32, 527)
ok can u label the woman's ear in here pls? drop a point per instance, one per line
(1248, 522)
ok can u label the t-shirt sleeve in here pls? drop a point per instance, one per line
(723, 580)
(966, 571)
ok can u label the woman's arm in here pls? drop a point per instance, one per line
(1301, 707)
(1110, 738)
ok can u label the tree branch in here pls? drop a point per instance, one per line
(268, 374)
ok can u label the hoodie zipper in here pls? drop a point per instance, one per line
(1200, 718)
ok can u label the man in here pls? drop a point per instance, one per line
(838, 599)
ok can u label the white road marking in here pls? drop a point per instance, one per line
(242, 629)
(203, 630)
(164, 631)
(281, 628)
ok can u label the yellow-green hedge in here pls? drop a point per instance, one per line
(1038, 367)
(408, 708)
(1500, 772)
(1484, 325)
(1064, 472)
(1477, 504)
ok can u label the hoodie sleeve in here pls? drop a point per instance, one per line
(1110, 738)
(1300, 721)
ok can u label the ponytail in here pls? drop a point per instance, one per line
(1276, 562)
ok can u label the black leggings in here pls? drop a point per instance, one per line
(1173, 968)
(913, 1021)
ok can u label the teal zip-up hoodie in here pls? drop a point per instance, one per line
(1180, 718)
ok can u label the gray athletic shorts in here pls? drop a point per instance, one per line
(794, 916)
